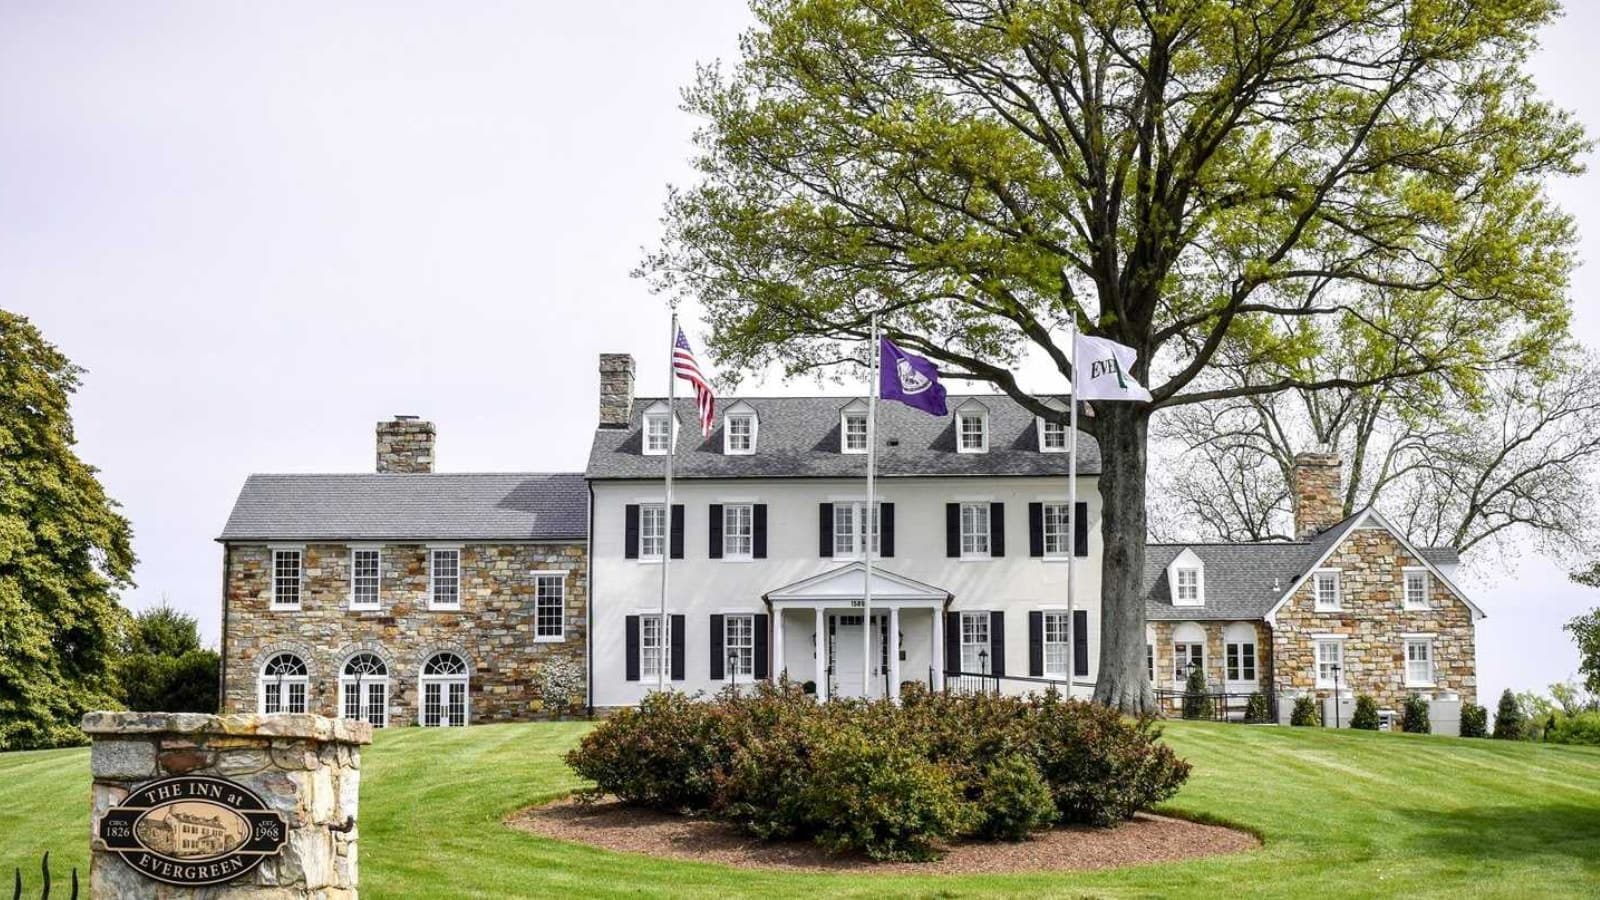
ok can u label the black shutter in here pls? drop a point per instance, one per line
(997, 642)
(677, 648)
(997, 529)
(715, 547)
(762, 650)
(1036, 529)
(716, 647)
(630, 533)
(758, 547)
(1036, 644)
(952, 642)
(677, 531)
(632, 624)
(825, 529)
(1080, 643)
(886, 530)
(952, 530)
(1080, 529)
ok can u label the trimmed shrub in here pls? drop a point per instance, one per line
(1474, 721)
(1101, 767)
(1255, 709)
(1509, 722)
(1196, 697)
(664, 755)
(1414, 716)
(1307, 711)
(1015, 800)
(1365, 717)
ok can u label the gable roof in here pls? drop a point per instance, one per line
(850, 580)
(512, 506)
(800, 439)
(1250, 581)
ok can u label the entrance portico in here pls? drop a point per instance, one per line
(823, 617)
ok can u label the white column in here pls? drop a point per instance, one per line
(894, 652)
(777, 642)
(822, 654)
(937, 654)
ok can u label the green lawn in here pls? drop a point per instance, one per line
(1343, 814)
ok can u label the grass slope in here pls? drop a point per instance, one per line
(1343, 814)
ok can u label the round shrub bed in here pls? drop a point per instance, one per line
(894, 781)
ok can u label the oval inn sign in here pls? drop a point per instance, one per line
(193, 830)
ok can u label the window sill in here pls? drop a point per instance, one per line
(551, 639)
(975, 558)
(737, 559)
(432, 608)
(1422, 684)
(1416, 609)
(276, 608)
(1329, 609)
(652, 561)
(378, 608)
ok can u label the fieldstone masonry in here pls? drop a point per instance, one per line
(306, 767)
(405, 445)
(494, 629)
(1317, 484)
(616, 389)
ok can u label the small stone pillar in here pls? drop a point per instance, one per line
(305, 768)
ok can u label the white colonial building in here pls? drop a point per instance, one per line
(767, 533)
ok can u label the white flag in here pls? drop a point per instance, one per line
(1101, 370)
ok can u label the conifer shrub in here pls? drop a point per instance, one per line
(1474, 721)
(1196, 696)
(1414, 716)
(1307, 711)
(1509, 722)
(1256, 710)
(1365, 718)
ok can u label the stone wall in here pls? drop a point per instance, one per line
(616, 389)
(1317, 483)
(1373, 621)
(493, 629)
(308, 768)
(405, 445)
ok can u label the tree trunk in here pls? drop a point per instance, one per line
(1123, 430)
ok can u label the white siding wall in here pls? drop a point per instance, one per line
(702, 586)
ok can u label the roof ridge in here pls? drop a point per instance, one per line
(404, 474)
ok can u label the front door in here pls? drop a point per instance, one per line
(844, 655)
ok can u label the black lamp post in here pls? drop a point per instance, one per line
(1336, 670)
(733, 668)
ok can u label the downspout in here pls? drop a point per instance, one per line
(222, 664)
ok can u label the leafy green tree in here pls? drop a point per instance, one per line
(1509, 722)
(64, 553)
(1257, 179)
(165, 669)
(1585, 630)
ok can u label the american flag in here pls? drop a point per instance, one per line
(686, 368)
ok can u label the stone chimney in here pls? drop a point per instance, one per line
(1318, 486)
(616, 389)
(405, 445)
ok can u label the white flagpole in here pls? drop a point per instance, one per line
(871, 513)
(663, 632)
(1072, 510)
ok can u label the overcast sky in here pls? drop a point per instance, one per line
(262, 227)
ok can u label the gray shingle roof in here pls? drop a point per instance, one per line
(391, 507)
(798, 437)
(1243, 581)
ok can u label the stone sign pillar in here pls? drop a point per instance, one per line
(242, 806)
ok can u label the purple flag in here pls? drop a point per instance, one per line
(910, 379)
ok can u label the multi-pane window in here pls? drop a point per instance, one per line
(444, 690)
(657, 433)
(1057, 651)
(1189, 586)
(1416, 589)
(652, 531)
(364, 578)
(739, 642)
(975, 529)
(1150, 662)
(1419, 661)
(1052, 435)
(855, 432)
(973, 431)
(738, 531)
(1187, 656)
(549, 606)
(1241, 661)
(444, 578)
(741, 434)
(1057, 530)
(652, 648)
(286, 579)
(849, 527)
(975, 643)
(1327, 590)
(364, 689)
(284, 683)
(1330, 662)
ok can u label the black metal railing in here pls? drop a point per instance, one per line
(1215, 706)
(989, 683)
(44, 871)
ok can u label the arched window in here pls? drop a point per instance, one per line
(444, 690)
(284, 684)
(364, 689)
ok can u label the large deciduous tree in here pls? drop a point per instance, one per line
(1259, 178)
(64, 553)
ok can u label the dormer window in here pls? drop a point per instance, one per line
(1052, 435)
(1188, 586)
(657, 430)
(1186, 576)
(853, 428)
(972, 428)
(739, 432)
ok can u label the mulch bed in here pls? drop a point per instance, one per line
(615, 826)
